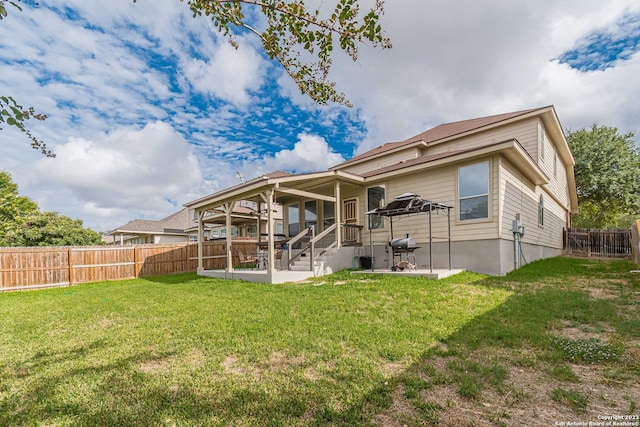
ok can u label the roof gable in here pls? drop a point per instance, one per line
(439, 133)
(448, 130)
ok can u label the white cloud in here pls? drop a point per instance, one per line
(229, 74)
(128, 170)
(120, 83)
(465, 59)
(310, 154)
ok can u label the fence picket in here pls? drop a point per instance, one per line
(41, 267)
(599, 243)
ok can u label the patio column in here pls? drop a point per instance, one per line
(200, 239)
(270, 240)
(338, 215)
(227, 208)
(259, 236)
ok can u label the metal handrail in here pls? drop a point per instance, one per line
(358, 233)
(295, 240)
(317, 239)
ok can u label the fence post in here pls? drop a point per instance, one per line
(70, 255)
(135, 261)
(588, 242)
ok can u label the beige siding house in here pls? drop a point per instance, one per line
(145, 231)
(490, 171)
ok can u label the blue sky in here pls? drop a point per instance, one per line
(605, 47)
(150, 108)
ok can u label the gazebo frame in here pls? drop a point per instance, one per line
(409, 204)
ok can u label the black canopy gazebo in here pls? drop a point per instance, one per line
(411, 204)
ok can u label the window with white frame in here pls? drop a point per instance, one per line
(375, 199)
(234, 231)
(542, 141)
(473, 192)
(541, 211)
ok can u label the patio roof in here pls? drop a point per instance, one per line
(318, 185)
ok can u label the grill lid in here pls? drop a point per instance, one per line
(404, 243)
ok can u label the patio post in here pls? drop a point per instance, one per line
(449, 230)
(200, 239)
(259, 237)
(370, 241)
(270, 241)
(338, 215)
(228, 209)
(430, 242)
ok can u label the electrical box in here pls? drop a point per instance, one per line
(515, 226)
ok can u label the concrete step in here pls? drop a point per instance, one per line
(302, 263)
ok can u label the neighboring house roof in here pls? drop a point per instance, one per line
(438, 133)
(175, 223)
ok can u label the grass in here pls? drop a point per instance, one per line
(574, 399)
(339, 350)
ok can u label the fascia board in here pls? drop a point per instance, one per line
(512, 150)
(381, 154)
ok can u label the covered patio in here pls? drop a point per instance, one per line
(313, 211)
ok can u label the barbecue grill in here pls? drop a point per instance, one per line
(406, 205)
(405, 246)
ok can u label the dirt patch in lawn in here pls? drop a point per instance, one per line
(525, 398)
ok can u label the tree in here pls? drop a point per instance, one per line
(607, 175)
(13, 207)
(3, 10)
(52, 229)
(22, 223)
(14, 114)
(294, 33)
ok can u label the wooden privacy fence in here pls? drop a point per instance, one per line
(635, 237)
(599, 243)
(43, 267)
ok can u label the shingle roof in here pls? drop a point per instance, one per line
(443, 131)
(448, 130)
(174, 223)
(144, 225)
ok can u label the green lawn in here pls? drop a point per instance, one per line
(338, 350)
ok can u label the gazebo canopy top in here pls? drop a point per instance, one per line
(407, 204)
